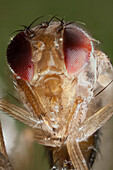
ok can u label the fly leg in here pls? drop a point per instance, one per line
(93, 123)
(4, 161)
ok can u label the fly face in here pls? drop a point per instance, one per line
(55, 65)
(56, 71)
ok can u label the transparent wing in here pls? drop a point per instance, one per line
(40, 132)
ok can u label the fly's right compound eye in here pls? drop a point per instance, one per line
(19, 54)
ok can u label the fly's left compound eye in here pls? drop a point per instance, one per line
(77, 47)
(19, 54)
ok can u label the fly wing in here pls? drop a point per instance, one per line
(16, 112)
(40, 135)
(104, 84)
(104, 73)
(104, 68)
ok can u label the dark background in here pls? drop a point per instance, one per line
(96, 14)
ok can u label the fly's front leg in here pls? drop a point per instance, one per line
(72, 142)
(92, 124)
(75, 154)
(74, 151)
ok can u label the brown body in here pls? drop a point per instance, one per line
(59, 97)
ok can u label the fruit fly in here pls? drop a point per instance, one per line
(59, 75)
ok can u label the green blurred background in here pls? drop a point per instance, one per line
(96, 14)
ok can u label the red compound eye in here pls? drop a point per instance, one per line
(19, 55)
(77, 47)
